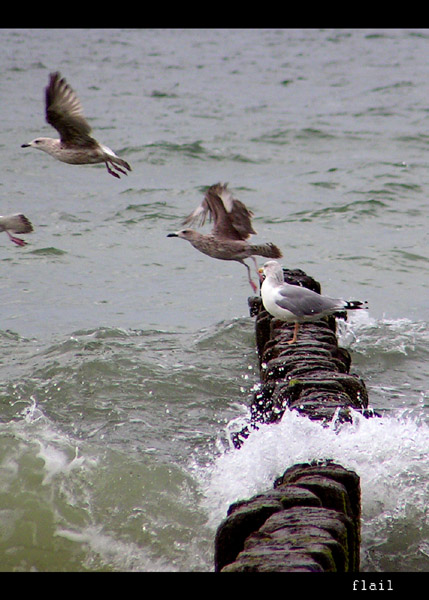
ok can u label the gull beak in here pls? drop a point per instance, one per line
(172, 235)
(25, 145)
(261, 270)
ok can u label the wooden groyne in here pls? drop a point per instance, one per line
(310, 520)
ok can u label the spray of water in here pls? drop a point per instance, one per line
(388, 453)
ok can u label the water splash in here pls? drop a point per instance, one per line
(104, 549)
(389, 454)
(399, 336)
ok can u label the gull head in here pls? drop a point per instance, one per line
(186, 234)
(273, 270)
(42, 143)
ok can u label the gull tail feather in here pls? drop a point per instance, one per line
(120, 161)
(113, 159)
(355, 304)
(267, 250)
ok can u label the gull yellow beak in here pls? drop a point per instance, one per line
(261, 270)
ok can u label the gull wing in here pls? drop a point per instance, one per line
(239, 216)
(64, 112)
(303, 302)
(222, 227)
(198, 216)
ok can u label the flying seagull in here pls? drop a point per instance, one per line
(296, 304)
(232, 225)
(75, 146)
(18, 224)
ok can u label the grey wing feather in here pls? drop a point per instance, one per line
(303, 302)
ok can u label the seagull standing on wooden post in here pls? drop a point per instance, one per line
(296, 304)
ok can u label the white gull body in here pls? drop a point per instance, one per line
(296, 304)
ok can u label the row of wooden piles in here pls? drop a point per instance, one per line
(310, 520)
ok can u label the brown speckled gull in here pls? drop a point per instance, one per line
(231, 227)
(75, 146)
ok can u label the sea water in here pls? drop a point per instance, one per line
(127, 358)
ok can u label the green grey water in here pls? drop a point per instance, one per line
(127, 358)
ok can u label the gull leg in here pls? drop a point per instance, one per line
(295, 334)
(254, 286)
(261, 279)
(16, 240)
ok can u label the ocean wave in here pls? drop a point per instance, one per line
(389, 454)
(370, 336)
(352, 210)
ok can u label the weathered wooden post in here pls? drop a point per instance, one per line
(310, 520)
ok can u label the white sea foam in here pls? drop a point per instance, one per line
(366, 334)
(389, 454)
(124, 556)
(58, 451)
